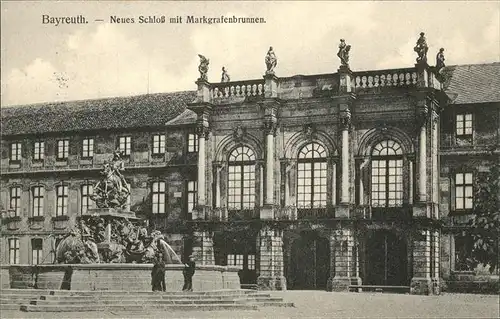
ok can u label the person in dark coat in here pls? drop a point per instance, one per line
(188, 273)
(158, 274)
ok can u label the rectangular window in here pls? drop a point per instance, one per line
(87, 191)
(39, 151)
(36, 251)
(158, 198)
(125, 144)
(464, 124)
(192, 143)
(15, 151)
(463, 191)
(192, 192)
(241, 187)
(311, 184)
(37, 195)
(15, 200)
(251, 262)
(62, 149)
(88, 148)
(159, 144)
(13, 251)
(62, 200)
(387, 183)
(235, 260)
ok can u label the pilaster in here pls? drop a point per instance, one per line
(271, 268)
(203, 249)
(421, 283)
(344, 267)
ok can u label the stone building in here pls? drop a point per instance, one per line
(307, 182)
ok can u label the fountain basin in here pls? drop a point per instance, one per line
(123, 277)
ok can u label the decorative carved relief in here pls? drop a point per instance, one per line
(383, 130)
(270, 127)
(239, 133)
(309, 131)
(345, 119)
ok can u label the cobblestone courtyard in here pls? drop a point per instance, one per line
(320, 304)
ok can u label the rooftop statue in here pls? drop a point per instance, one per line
(225, 76)
(421, 48)
(343, 53)
(203, 67)
(271, 61)
(112, 191)
(440, 60)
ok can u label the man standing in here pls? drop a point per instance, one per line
(158, 274)
(188, 273)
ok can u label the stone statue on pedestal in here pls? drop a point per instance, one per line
(343, 53)
(225, 76)
(271, 61)
(440, 60)
(421, 48)
(203, 67)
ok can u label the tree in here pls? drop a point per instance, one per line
(485, 223)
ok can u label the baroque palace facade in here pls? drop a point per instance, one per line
(307, 182)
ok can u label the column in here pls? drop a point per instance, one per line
(422, 161)
(203, 108)
(435, 168)
(410, 182)
(271, 268)
(217, 176)
(421, 283)
(270, 168)
(345, 165)
(201, 168)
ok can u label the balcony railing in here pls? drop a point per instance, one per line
(362, 212)
(385, 78)
(285, 213)
(240, 89)
(242, 214)
(391, 213)
(315, 213)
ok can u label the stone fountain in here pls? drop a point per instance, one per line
(110, 233)
(110, 249)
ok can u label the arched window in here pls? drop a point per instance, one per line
(241, 179)
(311, 176)
(387, 174)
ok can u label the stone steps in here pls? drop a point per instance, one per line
(155, 296)
(142, 307)
(135, 302)
(78, 301)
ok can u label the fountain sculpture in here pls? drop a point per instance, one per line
(110, 233)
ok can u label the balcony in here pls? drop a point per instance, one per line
(315, 213)
(243, 214)
(382, 213)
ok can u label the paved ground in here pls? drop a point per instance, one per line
(320, 304)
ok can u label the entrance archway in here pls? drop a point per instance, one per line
(387, 259)
(310, 262)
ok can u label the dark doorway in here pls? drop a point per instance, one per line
(387, 259)
(310, 262)
(237, 249)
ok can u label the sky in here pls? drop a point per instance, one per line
(47, 63)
